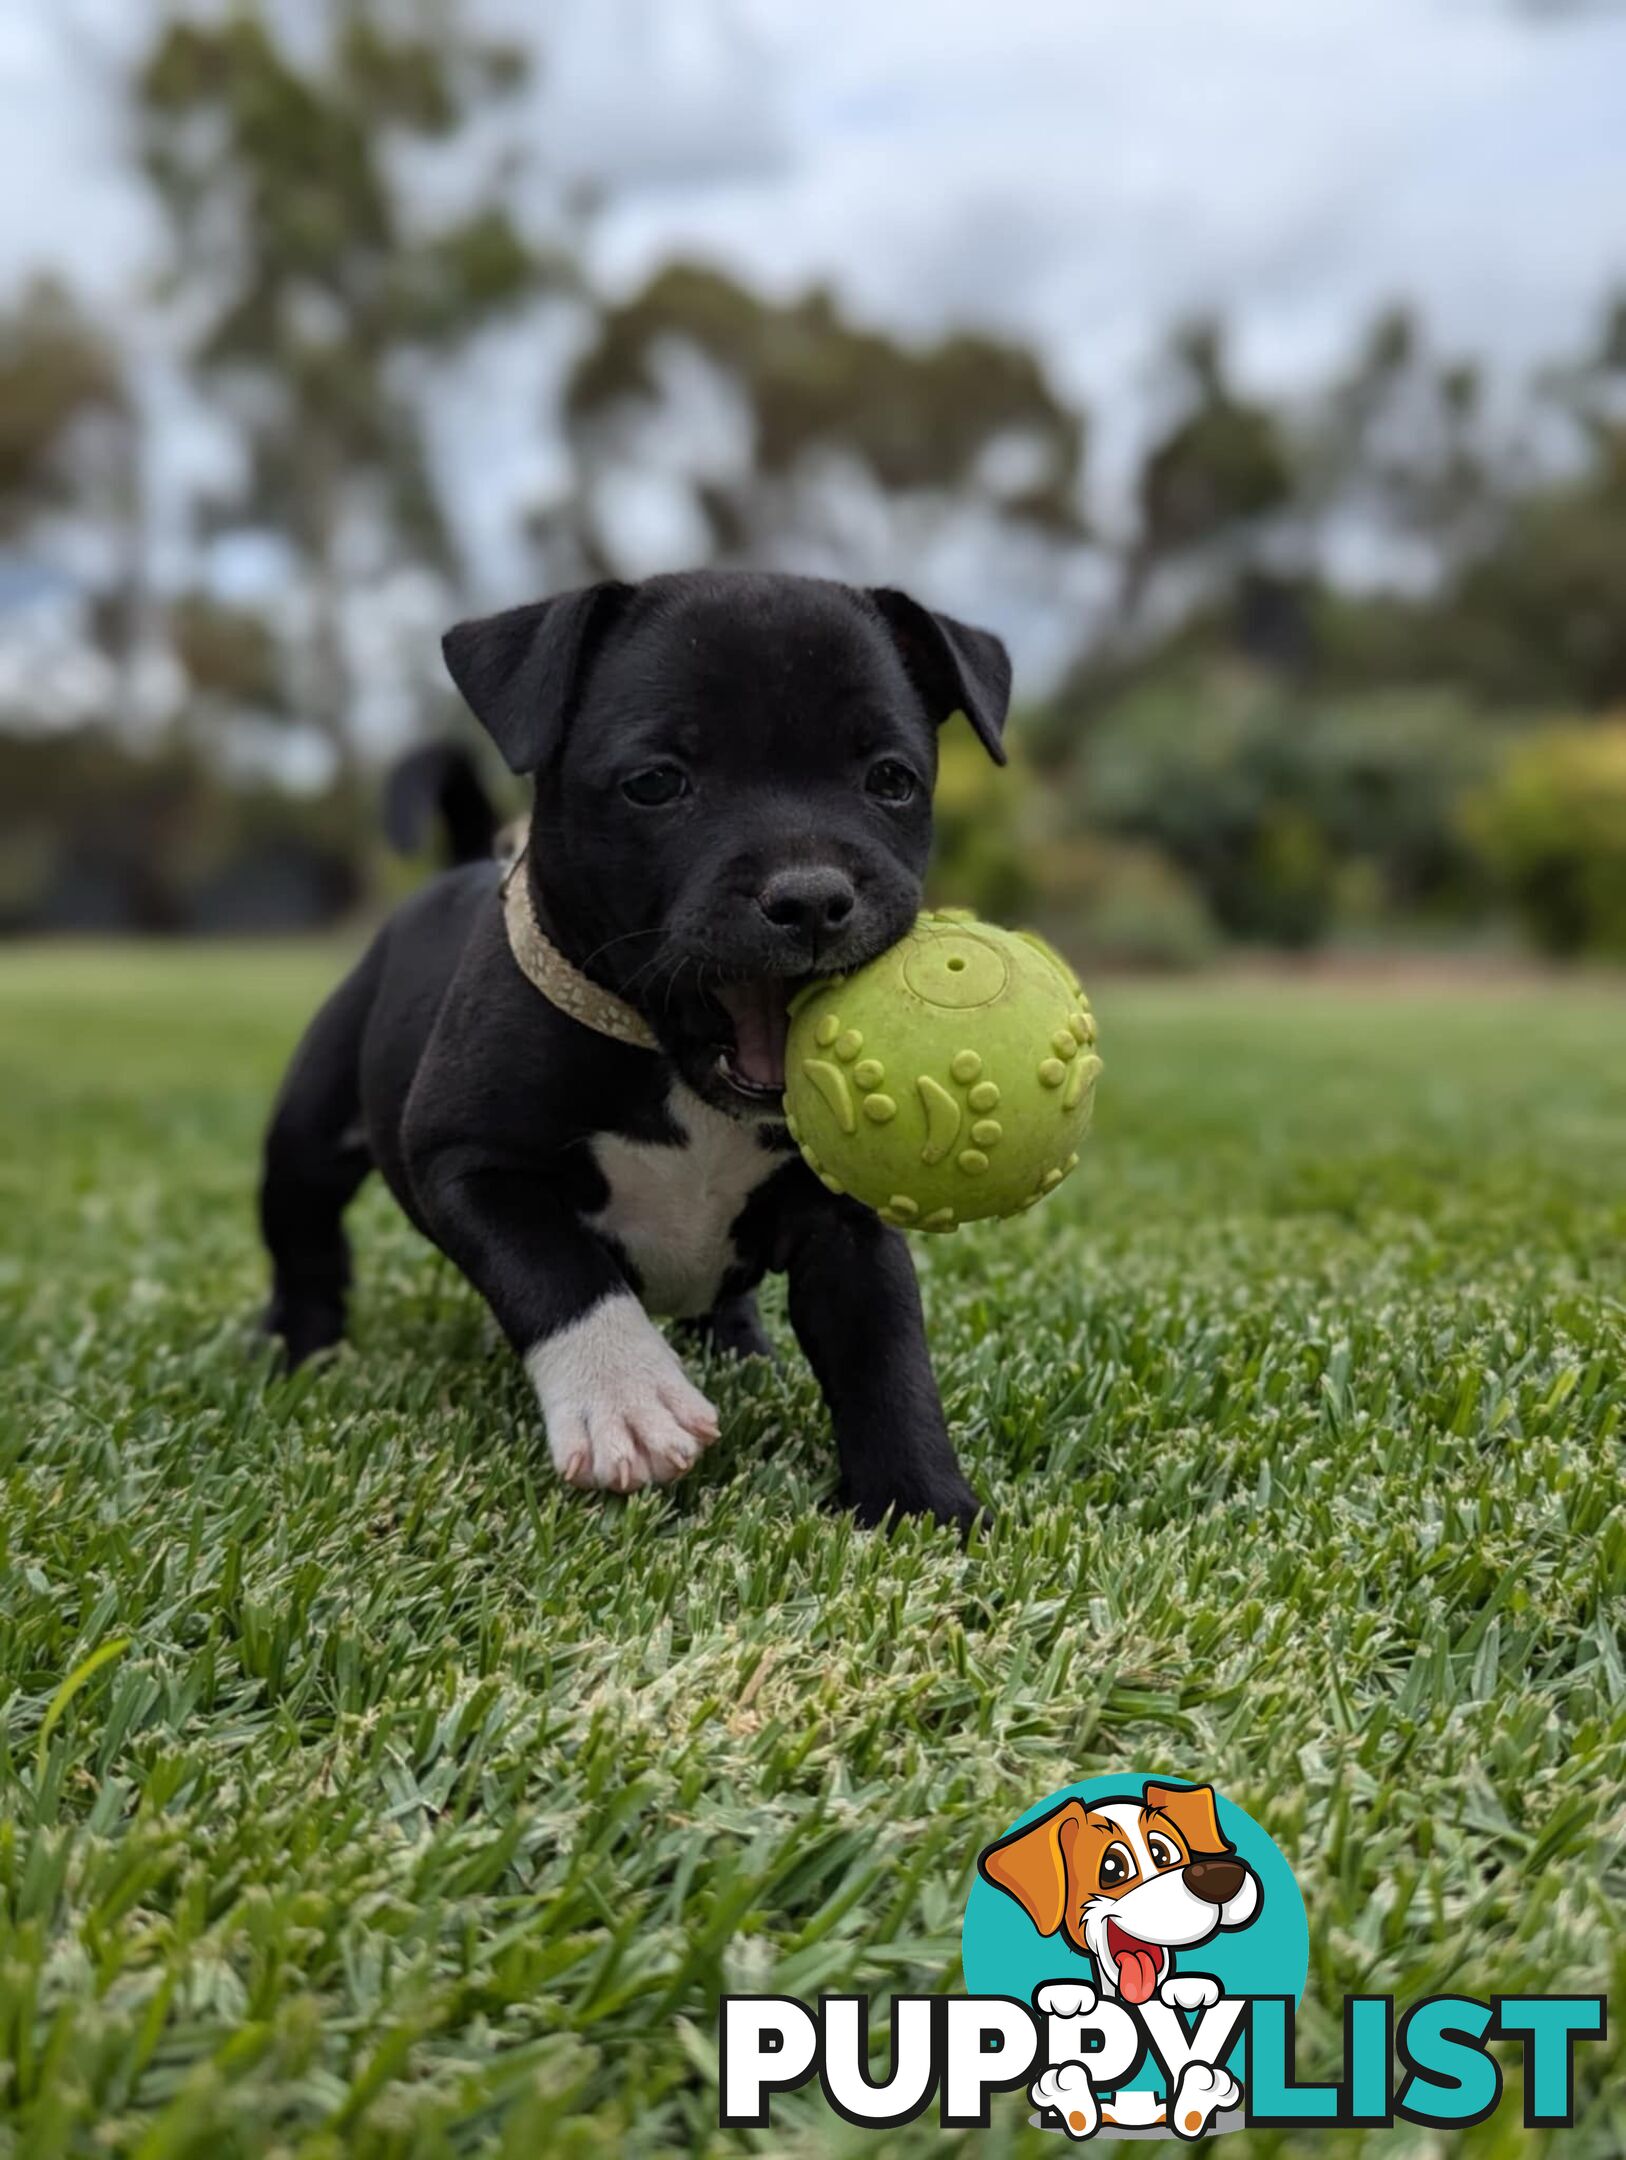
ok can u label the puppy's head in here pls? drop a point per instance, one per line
(1127, 1882)
(733, 788)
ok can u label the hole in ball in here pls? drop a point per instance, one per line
(956, 965)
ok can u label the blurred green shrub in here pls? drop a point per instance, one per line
(1005, 846)
(98, 836)
(1125, 904)
(1551, 826)
(982, 852)
(1278, 805)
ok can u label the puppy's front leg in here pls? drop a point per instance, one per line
(855, 1306)
(619, 1409)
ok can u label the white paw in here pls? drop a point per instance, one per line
(1068, 2090)
(1065, 1999)
(1204, 2091)
(1189, 1991)
(620, 1410)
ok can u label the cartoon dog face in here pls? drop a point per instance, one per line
(1128, 1881)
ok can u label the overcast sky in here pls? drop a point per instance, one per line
(1089, 168)
(1082, 170)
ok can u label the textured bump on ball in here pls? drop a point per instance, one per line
(831, 1083)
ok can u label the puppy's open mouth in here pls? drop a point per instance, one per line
(754, 1063)
(1140, 1964)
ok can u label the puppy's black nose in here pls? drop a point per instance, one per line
(807, 900)
(1216, 1882)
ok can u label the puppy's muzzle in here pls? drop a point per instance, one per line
(1216, 1882)
(808, 902)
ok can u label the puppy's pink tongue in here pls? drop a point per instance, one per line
(757, 1009)
(1137, 1974)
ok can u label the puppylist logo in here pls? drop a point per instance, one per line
(1135, 1948)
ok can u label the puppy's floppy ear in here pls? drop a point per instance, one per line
(1191, 1810)
(1031, 1865)
(954, 667)
(519, 670)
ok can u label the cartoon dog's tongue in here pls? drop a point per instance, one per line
(1138, 1965)
(757, 1009)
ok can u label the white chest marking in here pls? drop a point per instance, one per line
(671, 1208)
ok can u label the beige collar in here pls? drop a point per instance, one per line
(563, 985)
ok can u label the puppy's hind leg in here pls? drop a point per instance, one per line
(733, 1326)
(315, 1157)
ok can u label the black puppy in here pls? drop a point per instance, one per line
(733, 779)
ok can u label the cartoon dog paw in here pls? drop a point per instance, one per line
(1065, 1999)
(1203, 2092)
(1068, 2090)
(1189, 1991)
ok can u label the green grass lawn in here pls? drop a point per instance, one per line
(429, 1806)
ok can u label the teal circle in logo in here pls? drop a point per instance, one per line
(1125, 1880)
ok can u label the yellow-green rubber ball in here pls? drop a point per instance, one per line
(953, 1078)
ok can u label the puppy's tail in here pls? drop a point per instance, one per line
(440, 785)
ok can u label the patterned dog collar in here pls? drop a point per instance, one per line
(547, 969)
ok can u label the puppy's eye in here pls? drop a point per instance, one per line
(1162, 1852)
(1117, 1866)
(891, 781)
(655, 785)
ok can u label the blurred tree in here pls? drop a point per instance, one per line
(308, 284)
(229, 654)
(1485, 566)
(98, 835)
(70, 462)
(57, 372)
(969, 420)
(1527, 603)
(1397, 448)
(1208, 483)
(1540, 618)
(1541, 612)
